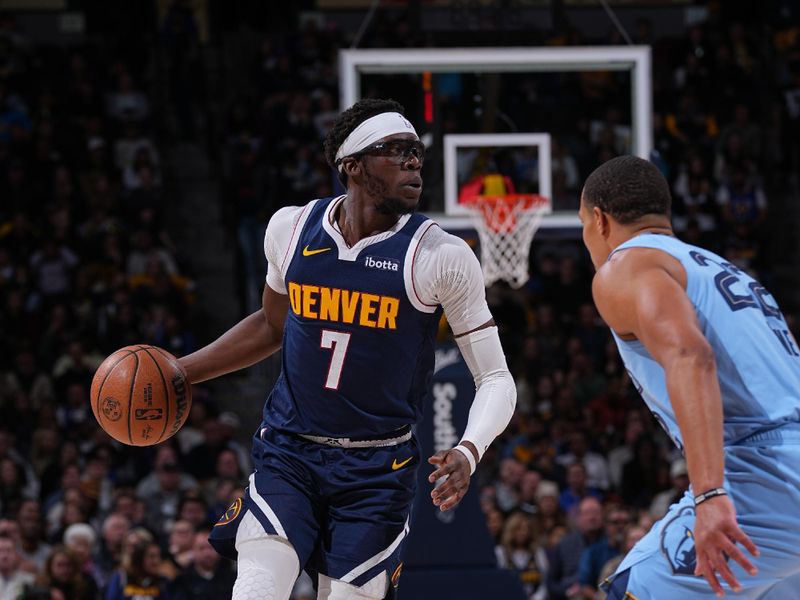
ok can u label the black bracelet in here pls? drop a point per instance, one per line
(708, 494)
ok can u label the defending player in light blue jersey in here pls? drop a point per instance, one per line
(713, 358)
(355, 289)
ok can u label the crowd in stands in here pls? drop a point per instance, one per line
(86, 267)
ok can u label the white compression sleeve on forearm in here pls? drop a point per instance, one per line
(496, 394)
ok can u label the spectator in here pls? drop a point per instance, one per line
(576, 489)
(193, 508)
(208, 577)
(45, 451)
(595, 556)
(495, 523)
(202, 460)
(132, 141)
(127, 103)
(79, 539)
(12, 578)
(26, 378)
(53, 505)
(140, 576)
(623, 454)
(679, 474)
(548, 514)
(633, 533)
(108, 556)
(230, 426)
(519, 552)
(63, 514)
(32, 548)
(162, 504)
(52, 267)
(562, 575)
(62, 572)
(191, 434)
(528, 487)
(595, 466)
(165, 453)
(13, 481)
(181, 543)
(645, 475)
(507, 488)
(228, 469)
(743, 203)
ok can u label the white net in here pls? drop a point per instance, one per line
(506, 226)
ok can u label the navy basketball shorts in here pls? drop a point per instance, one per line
(344, 510)
(762, 477)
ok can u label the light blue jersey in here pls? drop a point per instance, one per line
(758, 367)
(758, 360)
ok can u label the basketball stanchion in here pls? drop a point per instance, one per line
(506, 225)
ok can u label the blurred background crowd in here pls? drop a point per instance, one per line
(103, 244)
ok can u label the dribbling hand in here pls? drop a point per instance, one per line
(716, 533)
(454, 466)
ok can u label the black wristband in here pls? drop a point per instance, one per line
(708, 494)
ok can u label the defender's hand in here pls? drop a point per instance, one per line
(716, 533)
(455, 466)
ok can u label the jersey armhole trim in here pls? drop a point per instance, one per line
(301, 220)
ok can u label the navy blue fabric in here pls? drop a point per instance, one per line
(388, 363)
(223, 534)
(338, 507)
(618, 588)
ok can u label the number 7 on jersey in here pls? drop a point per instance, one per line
(338, 341)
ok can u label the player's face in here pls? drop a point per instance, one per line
(592, 238)
(392, 173)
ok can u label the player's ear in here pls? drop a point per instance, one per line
(351, 166)
(600, 221)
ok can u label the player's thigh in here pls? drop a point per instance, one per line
(788, 589)
(368, 519)
(661, 566)
(278, 501)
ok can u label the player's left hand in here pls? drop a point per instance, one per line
(455, 467)
(716, 534)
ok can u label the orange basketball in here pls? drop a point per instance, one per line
(140, 395)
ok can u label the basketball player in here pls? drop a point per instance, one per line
(355, 289)
(712, 356)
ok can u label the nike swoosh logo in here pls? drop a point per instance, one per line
(307, 252)
(399, 465)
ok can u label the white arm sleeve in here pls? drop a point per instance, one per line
(496, 394)
(447, 272)
(282, 231)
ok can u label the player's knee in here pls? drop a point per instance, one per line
(266, 569)
(334, 589)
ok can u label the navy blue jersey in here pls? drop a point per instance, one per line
(357, 354)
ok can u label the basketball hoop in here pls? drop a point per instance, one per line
(506, 225)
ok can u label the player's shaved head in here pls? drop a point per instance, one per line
(352, 118)
(628, 188)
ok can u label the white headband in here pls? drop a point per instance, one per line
(374, 129)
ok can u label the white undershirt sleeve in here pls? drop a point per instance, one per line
(447, 272)
(280, 230)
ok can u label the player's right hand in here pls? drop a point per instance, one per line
(454, 466)
(716, 534)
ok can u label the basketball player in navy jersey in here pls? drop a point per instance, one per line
(712, 356)
(355, 289)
